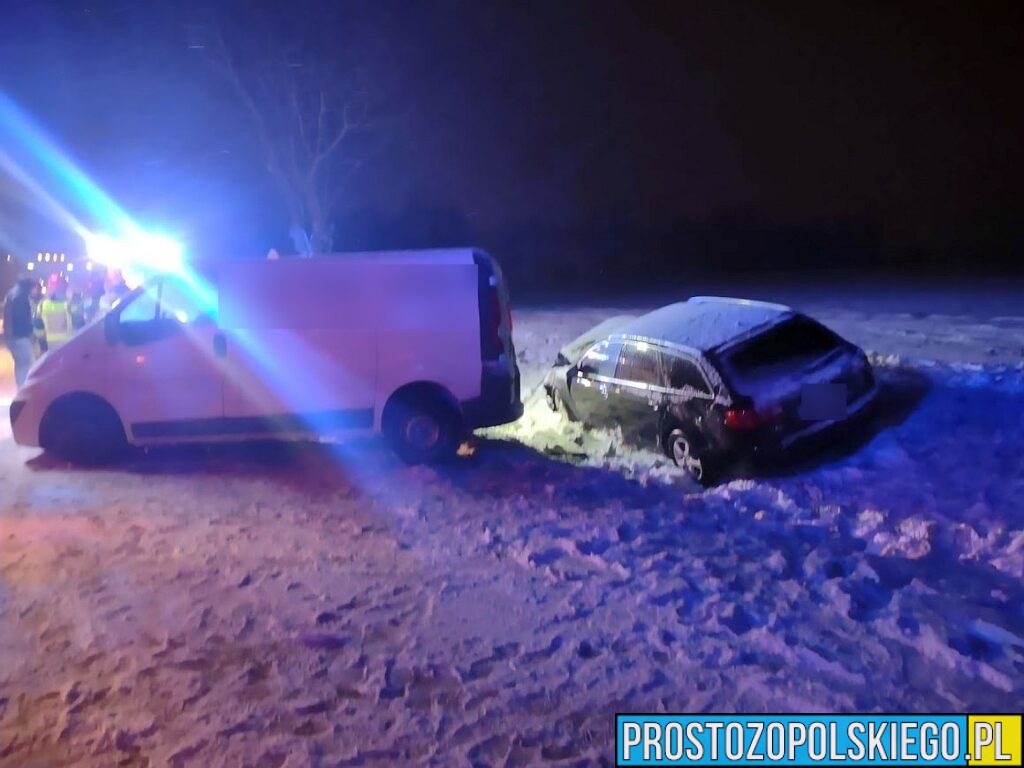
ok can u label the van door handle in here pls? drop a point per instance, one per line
(220, 345)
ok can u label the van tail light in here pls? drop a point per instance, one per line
(751, 418)
(494, 309)
(493, 345)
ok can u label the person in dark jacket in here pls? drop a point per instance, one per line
(19, 328)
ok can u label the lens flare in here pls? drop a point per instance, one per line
(55, 184)
(140, 251)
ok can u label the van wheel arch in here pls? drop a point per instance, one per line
(430, 407)
(82, 427)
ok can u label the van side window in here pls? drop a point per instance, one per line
(159, 312)
(141, 310)
(684, 373)
(600, 359)
(639, 363)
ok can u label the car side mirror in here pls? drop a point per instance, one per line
(110, 327)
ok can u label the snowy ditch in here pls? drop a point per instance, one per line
(328, 606)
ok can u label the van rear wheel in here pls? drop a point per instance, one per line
(82, 429)
(421, 428)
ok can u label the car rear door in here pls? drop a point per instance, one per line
(592, 380)
(690, 395)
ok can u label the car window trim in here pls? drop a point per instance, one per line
(709, 392)
(591, 348)
(697, 394)
(653, 388)
(630, 382)
(710, 375)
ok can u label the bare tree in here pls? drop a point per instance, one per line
(288, 69)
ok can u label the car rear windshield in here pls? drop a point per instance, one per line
(780, 350)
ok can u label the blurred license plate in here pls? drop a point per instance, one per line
(822, 401)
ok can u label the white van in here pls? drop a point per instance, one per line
(414, 344)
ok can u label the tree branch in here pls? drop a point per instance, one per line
(320, 123)
(347, 125)
(299, 116)
(297, 113)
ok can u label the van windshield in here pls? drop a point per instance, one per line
(784, 349)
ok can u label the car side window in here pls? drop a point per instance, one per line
(639, 363)
(683, 373)
(600, 359)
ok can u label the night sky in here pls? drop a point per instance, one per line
(684, 130)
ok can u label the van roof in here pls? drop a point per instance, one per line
(704, 322)
(209, 266)
(429, 255)
(420, 256)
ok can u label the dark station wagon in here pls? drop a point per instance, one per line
(714, 381)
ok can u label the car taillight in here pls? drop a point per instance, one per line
(750, 418)
(742, 418)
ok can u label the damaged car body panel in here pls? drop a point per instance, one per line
(714, 381)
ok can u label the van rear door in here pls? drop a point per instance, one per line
(499, 400)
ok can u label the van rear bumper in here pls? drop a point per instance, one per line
(499, 401)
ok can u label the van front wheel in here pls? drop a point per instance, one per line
(82, 429)
(422, 429)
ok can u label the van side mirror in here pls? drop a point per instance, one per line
(110, 327)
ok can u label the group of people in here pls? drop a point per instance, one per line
(35, 322)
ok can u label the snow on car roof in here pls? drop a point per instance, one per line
(704, 322)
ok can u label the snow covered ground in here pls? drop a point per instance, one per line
(325, 605)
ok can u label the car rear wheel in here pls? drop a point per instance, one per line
(422, 429)
(83, 430)
(691, 456)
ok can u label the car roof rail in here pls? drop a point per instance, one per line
(743, 302)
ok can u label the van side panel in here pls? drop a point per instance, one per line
(299, 370)
(430, 331)
(341, 335)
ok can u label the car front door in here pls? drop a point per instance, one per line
(591, 382)
(635, 402)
